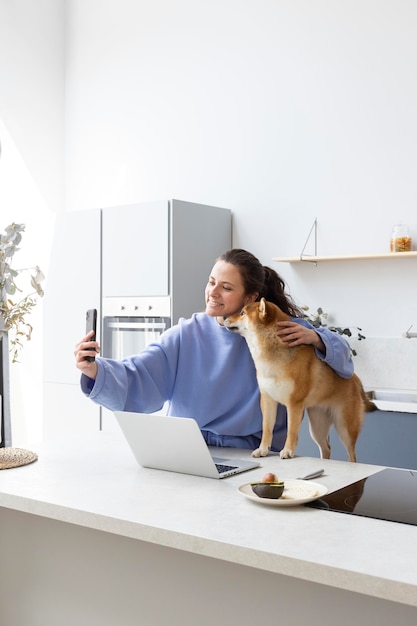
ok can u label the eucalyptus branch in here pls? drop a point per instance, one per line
(13, 313)
(319, 318)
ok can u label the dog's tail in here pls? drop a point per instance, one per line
(369, 405)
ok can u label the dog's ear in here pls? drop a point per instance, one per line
(262, 309)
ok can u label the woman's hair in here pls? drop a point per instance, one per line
(262, 279)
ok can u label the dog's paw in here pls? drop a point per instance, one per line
(261, 451)
(286, 454)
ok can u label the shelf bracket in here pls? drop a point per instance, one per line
(409, 335)
(303, 256)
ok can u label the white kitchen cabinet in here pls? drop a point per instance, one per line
(164, 248)
(135, 250)
(72, 286)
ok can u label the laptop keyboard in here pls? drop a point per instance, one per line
(225, 468)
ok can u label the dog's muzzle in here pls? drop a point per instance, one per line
(232, 328)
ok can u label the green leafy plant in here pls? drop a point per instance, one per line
(319, 318)
(14, 311)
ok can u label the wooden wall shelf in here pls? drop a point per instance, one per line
(305, 258)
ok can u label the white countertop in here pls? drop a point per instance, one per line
(96, 483)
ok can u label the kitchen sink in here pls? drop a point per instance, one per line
(393, 395)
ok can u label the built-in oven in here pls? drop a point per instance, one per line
(130, 324)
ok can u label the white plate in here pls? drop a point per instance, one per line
(295, 492)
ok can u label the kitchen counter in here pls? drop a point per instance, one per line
(87, 501)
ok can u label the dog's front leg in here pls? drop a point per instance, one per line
(294, 419)
(269, 416)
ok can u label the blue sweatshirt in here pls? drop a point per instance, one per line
(206, 372)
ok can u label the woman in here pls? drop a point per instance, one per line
(204, 371)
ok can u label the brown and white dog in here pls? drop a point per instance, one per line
(296, 378)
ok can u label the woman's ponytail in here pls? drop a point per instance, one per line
(261, 279)
(274, 291)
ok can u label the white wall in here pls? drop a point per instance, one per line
(31, 169)
(282, 111)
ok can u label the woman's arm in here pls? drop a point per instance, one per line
(330, 347)
(139, 383)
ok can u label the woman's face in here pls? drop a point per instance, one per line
(225, 294)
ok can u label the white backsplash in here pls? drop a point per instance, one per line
(386, 363)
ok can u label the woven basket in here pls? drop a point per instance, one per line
(15, 457)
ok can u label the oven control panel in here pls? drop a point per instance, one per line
(152, 306)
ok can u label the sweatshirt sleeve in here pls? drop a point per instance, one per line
(140, 383)
(338, 354)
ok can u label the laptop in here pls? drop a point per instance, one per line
(175, 444)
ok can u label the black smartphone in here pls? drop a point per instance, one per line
(91, 324)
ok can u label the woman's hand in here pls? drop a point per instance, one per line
(83, 350)
(296, 335)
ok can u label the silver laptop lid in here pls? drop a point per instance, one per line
(174, 444)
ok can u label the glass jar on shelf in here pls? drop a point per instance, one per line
(401, 239)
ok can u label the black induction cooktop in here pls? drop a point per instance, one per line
(390, 494)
